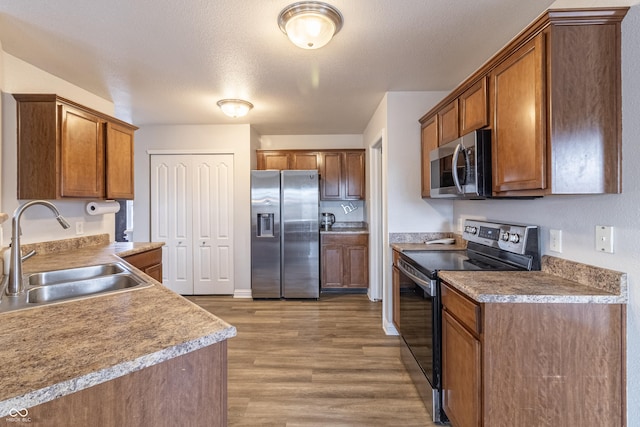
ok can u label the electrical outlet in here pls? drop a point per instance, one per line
(555, 240)
(604, 239)
(79, 227)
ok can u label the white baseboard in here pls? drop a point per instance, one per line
(389, 328)
(242, 293)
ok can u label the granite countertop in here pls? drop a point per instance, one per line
(54, 350)
(405, 242)
(459, 245)
(354, 230)
(355, 227)
(560, 281)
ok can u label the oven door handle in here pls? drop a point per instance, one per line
(429, 286)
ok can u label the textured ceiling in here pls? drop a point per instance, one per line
(169, 61)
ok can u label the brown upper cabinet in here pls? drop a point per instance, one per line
(66, 150)
(448, 123)
(342, 172)
(304, 161)
(331, 176)
(278, 160)
(354, 177)
(429, 141)
(518, 139)
(552, 98)
(473, 108)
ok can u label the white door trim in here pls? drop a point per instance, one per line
(376, 219)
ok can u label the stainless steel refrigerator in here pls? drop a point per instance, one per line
(285, 234)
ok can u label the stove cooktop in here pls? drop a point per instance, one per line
(490, 246)
(430, 262)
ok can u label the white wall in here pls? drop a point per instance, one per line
(577, 216)
(395, 122)
(309, 142)
(408, 212)
(38, 225)
(230, 139)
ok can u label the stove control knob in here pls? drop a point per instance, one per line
(472, 230)
(514, 238)
(505, 236)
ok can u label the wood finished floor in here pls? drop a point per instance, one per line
(314, 363)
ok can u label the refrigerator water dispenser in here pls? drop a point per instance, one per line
(265, 225)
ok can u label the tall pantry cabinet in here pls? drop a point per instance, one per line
(192, 212)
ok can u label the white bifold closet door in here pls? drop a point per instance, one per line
(192, 212)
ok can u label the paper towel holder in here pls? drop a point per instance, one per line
(102, 207)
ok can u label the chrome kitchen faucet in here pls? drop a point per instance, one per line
(15, 275)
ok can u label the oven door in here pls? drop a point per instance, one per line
(418, 323)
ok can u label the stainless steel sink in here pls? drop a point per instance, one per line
(96, 285)
(57, 286)
(73, 274)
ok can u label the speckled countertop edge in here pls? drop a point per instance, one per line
(408, 242)
(73, 385)
(526, 287)
(148, 355)
(347, 227)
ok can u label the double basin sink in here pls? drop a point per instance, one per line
(56, 286)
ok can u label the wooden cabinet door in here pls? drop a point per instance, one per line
(150, 262)
(518, 145)
(332, 272)
(354, 175)
(448, 123)
(344, 261)
(474, 112)
(429, 141)
(82, 154)
(356, 269)
(273, 160)
(396, 296)
(461, 375)
(119, 180)
(304, 161)
(331, 176)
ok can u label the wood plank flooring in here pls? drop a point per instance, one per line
(315, 363)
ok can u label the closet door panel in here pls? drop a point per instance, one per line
(213, 225)
(171, 212)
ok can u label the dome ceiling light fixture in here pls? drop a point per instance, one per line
(235, 107)
(310, 24)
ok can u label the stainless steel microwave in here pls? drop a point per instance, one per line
(462, 168)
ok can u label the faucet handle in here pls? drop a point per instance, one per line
(29, 255)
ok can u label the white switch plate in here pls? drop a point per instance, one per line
(79, 227)
(604, 239)
(555, 240)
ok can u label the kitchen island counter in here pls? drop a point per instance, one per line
(55, 350)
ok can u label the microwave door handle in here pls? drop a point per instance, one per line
(454, 167)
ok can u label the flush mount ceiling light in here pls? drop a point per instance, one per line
(310, 24)
(235, 107)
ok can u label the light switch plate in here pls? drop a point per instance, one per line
(555, 240)
(604, 238)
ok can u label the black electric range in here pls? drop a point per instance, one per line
(490, 246)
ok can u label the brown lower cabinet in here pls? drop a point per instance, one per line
(189, 390)
(532, 364)
(344, 261)
(149, 262)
